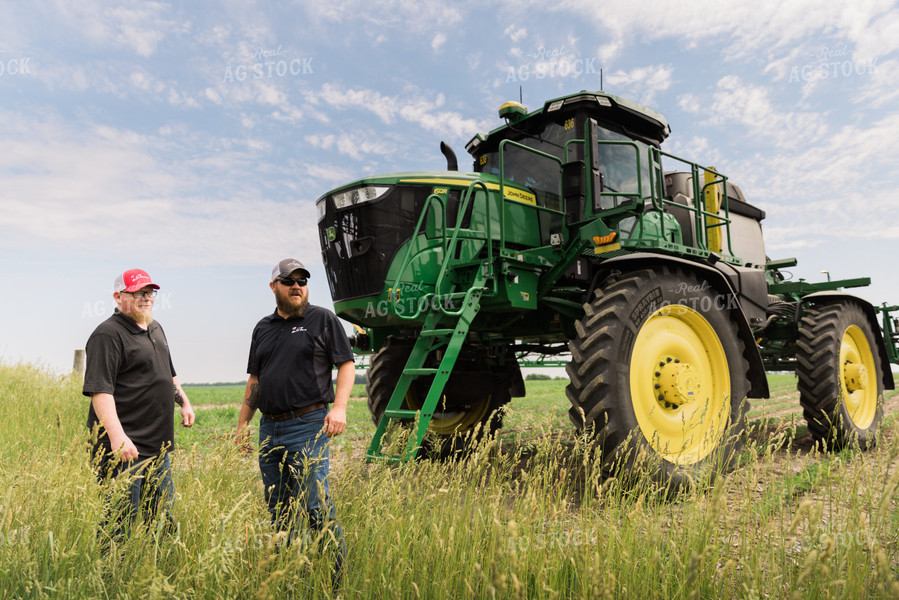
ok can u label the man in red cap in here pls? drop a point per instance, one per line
(133, 389)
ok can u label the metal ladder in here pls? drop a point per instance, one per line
(431, 337)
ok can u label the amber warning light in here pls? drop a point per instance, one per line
(605, 239)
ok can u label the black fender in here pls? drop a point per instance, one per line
(758, 381)
(832, 296)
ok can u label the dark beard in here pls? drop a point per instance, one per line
(286, 308)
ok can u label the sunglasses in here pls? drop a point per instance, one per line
(289, 281)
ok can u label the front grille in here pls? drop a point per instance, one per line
(359, 243)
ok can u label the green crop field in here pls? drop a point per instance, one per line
(528, 515)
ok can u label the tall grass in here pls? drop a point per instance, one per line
(523, 517)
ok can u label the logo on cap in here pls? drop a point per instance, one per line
(288, 266)
(133, 280)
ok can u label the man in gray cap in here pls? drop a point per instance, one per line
(292, 352)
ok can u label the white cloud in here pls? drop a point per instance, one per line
(878, 87)
(72, 187)
(138, 26)
(289, 114)
(643, 83)
(747, 27)
(212, 95)
(609, 51)
(695, 148)
(831, 187)
(736, 101)
(416, 16)
(689, 102)
(515, 33)
(332, 174)
(354, 145)
(412, 107)
(268, 93)
(783, 239)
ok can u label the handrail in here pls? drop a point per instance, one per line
(450, 242)
(468, 293)
(407, 259)
(720, 221)
(450, 248)
(698, 209)
(573, 141)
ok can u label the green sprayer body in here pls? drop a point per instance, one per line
(460, 275)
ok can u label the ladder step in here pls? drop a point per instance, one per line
(454, 295)
(436, 332)
(419, 371)
(458, 295)
(454, 340)
(400, 413)
(389, 458)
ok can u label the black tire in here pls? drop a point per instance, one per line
(385, 368)
(472, 399)
(645, 391)
(840, 375)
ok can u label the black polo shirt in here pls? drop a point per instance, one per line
(293, 359)
(134, 365)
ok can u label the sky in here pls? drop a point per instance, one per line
(191, 139)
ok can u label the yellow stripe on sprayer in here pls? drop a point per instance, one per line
(712, 202)
(509, 193)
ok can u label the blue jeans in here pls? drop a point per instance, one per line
(293, 460)
(149, 492)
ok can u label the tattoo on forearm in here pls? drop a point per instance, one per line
(179, 399)
(253, 399)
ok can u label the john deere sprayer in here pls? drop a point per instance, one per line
(576, 233)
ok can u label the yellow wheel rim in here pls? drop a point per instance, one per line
(680, 384)
(450, 423)
(857, 377)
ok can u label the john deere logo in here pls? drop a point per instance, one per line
(332, 234)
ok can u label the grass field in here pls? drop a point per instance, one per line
(528, 516)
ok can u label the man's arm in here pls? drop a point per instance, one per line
(335, 420)
(104, 406)
(187, 411)
(247, 411)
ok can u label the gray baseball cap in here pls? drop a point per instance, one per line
(288, 266)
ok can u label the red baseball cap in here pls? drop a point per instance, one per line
(133, 280)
